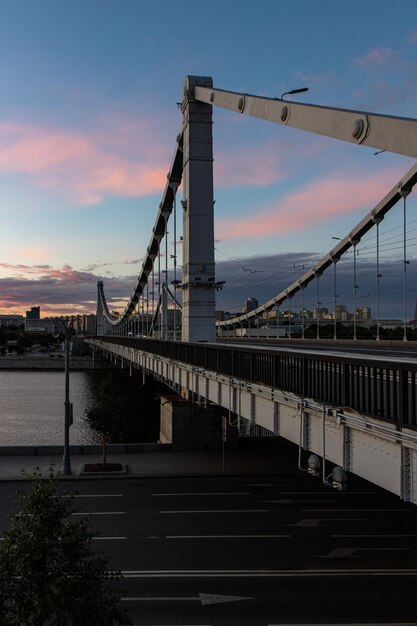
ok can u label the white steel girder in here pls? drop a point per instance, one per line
(370, 448)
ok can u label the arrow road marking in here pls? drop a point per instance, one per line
(347, 553)
(204, 598)
(312, 522)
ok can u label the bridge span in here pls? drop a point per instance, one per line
(357, 411)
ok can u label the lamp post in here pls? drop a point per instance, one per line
(318, 304)
(290, 93)
(377, 221)
(335, 296)
(405, 191)
(67, 324)
(355, 287)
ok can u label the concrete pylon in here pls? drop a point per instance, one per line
(198, 303)
(100, 316)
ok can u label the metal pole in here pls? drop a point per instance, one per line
(66, 462)
(303, 314)
(147, 307)
(175, 263)
(289, 318)
(378, 277)
(166, 280)
(355, 243)
(405, 194)
(277, 314)
(335, 299)
(318, 306)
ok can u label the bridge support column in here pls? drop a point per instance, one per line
(100, 317)
(198, 305)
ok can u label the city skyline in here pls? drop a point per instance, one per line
(89, 120)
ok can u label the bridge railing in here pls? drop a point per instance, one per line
(379, 388)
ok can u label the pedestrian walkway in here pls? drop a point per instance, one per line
(279, 457)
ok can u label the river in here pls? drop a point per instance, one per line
(32, 407)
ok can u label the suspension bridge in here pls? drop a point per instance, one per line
(356, 409)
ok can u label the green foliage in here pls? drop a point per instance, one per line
(106, 413)
(49, 575)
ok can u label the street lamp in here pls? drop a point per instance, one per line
(67, 324)
(355, 286)
(405, 191)
(293, 91)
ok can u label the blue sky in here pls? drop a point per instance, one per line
(88, 120)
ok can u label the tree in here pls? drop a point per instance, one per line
(106, 413)
(49, 575)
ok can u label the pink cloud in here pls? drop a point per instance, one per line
(125, 160)
(314, 203)
(377, 56)
(274, 159)
(55, 290)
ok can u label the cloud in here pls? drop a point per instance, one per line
(275, 161)
(124, 160)
(56, 289)
(377, 56)
(306, 208)
(280, 270)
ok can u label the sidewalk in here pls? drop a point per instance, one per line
(276, 457)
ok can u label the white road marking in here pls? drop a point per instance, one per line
(312, 522)
(227, 536)
(105, 538)
(93, 495)
(296, 501)
(99, 513)
(326, 493)
(374, 536)
(221, 511)
(346, 553)
(356, 510)
(207, 493)
(204, 598)
(266, 573)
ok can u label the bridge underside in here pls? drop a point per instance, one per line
(376, 450)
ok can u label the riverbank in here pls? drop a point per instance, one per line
(53, 362)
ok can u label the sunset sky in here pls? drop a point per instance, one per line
(89, 117)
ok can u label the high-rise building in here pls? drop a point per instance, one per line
(250, 305)
(34, 313)
(341, 313)
(363, 313)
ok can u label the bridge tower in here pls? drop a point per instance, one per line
(100, 316)
(198, 302)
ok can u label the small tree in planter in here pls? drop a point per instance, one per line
(49, 574)
(106, 415)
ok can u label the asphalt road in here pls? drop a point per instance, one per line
(246, 551)
(408, 352)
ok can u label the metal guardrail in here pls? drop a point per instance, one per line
(382, 389)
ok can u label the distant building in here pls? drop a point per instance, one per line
(321, 312)
(34, 313)
(363, 313)
(45, 325)
(342, 314)
(219, 316)
(11, 320)
(250, 305)
(85, 324)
